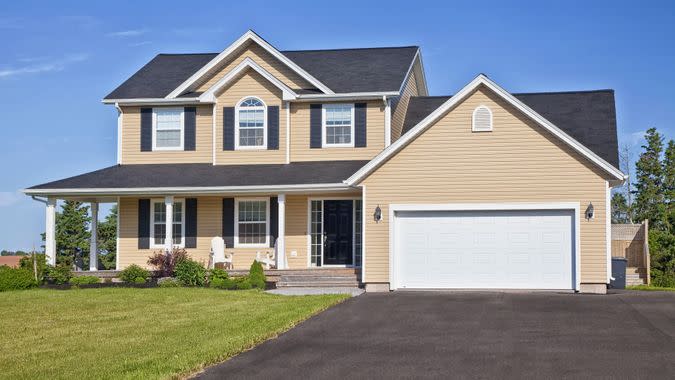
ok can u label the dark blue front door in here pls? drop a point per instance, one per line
(338, 227)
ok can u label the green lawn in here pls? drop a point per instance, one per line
(650, 288)
(138, 333)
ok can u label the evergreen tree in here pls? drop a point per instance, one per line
(107, 240)
(649, 194)
(669, 184)
(72, 233)
(620, 209)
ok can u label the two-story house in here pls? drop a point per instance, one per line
(339, 158)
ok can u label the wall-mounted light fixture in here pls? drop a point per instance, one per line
(590, 211)
(377, 215)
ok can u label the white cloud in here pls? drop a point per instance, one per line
(128, 33)
(134, 44)
(45, 66)
(8, 198)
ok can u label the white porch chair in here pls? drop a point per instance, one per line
(218, 254)
(267, 259)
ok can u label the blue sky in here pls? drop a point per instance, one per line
(59, 59)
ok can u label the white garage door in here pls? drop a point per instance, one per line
(530, 249)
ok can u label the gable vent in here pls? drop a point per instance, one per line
(482, 119)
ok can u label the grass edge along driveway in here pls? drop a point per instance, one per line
(139, 333)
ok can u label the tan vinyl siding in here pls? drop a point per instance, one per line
(131, 140)
(398, 116)
(265, 60)
(300, 132)
(251, 83)
(209, 225)
(517, 162)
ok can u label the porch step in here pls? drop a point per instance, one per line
(317, 284)
(313, 278)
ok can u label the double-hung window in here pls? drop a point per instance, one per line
(251, 124)
(167, 131)
(158, 224)
(338, 125)
(252, 222)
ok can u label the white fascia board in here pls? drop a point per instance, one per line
(345, 96)
(252, 36)
(411, 68)
(150, 101)
(189, 190)
(210, 94)
(459, 97)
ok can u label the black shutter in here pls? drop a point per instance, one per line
(273, 128)
(146, 129)
(228, 222)
(143, 224)
(360, 124)
(274, 220)
(315, 125)
(228, 128)
(190, 136)
(191, 223)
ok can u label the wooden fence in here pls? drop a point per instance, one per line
(630, 242)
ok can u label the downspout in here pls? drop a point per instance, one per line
(35, 198)
(387, 121)
(120, 121)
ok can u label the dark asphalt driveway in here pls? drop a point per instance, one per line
(473, 335)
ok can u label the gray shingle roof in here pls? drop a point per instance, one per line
(587, 116)
(342, 70)
(208, 175)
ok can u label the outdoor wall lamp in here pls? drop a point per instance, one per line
(590, 211)
(377, 215)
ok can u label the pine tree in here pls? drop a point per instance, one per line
(669, 184)
(649, 194)
(72, 233)
(107, 240)
(620, 212)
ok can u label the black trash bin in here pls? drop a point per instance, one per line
(619, 273)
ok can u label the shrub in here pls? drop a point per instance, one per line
(243, 283)
(217, 273)
(15, 279)
(60, 274)
(190, 273)
(133, 274)
(168, 282)
(41, 265)
(221, 283)
(84, 280)
(256, 275)
(165, 263)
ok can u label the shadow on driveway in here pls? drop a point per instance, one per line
(473, 335)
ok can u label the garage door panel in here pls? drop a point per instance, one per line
(485, 249)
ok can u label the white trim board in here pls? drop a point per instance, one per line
(394, 208)
(248, 36)
(432, 118)
(210, 94)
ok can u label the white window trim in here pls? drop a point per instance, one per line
(324, 144)
(267, 223)
(473, 119)
(152, 223)
(154, 129)
(236, 125)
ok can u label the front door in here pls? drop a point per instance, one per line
(338, 232)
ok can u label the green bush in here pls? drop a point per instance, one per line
(168, 282)
(60, 274)
(133, 274)
(243, 283)
(41, 265)
(217, 273)
(15, 279)
(84, 280)
(190, 273)
(256, 275)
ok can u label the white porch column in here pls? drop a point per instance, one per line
(281, 239)
(93, 243)
(50, 232)
(168, 238)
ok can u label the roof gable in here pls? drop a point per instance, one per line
(450, 103)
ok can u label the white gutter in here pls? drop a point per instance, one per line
(187, 190)
(346, 96)
(150, 101)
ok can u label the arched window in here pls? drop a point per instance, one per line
(251, 124)
(482, 119)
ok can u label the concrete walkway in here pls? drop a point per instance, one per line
(313, 291)
(469, 335)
